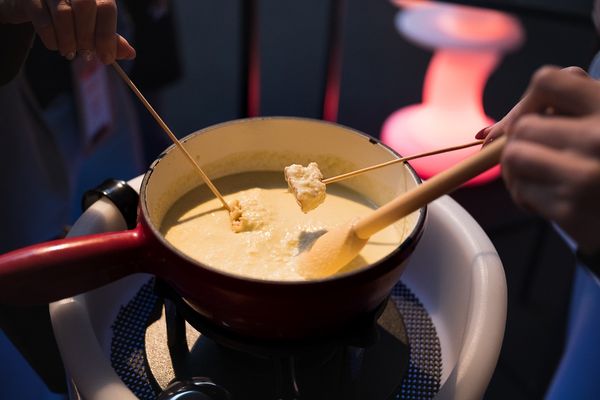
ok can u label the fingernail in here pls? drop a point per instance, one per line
(482, 133)
(70, 55)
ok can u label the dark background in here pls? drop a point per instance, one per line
(380, 73)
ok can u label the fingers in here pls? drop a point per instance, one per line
(547, 201)
(482, 134)
(576, 71)
(534, 183)
(576, 135)
(560, 133)
(551, 89)
(42, 23)
(124, 50)
(533, 197)
(552, 183)
(84, 15)
(86, 27)
(500, 128)
(532, 161)
(106, 28)
(565, 92)
(64, 28)
(563, 204)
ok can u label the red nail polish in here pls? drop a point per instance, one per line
(482, 133)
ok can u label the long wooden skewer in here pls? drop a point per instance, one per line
(336, 248)
(171, 135)
(398, 160)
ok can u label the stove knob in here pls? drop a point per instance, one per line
(197, 388)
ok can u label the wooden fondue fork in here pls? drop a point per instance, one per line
(398, 160)
(171, 135)
(339, 246)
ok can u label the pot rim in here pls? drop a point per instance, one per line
(382, 265)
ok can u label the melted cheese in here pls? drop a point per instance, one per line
(274, 231)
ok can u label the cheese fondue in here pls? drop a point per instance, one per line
(273, 229)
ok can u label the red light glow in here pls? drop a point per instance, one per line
(442, 128)
(475, 25)
(452, 110)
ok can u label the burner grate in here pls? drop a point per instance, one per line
(422, 381)
(423, 378)
(128, 355)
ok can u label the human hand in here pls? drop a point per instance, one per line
(86, 27)
(551, 162)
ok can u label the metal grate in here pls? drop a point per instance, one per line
(422, 380)
(127, 353)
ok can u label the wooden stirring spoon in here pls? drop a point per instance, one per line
(339, 246)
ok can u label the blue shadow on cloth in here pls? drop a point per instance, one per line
(577, 374)
(18, 380)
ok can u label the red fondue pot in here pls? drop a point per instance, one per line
(259, 308)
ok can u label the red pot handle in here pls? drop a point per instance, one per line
(51, 271)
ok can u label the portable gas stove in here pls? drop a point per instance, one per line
(438, 335)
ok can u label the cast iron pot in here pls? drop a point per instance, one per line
(257, 308)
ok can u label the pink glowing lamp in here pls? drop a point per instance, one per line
(469, 43)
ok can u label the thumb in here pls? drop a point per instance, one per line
(124, 50)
